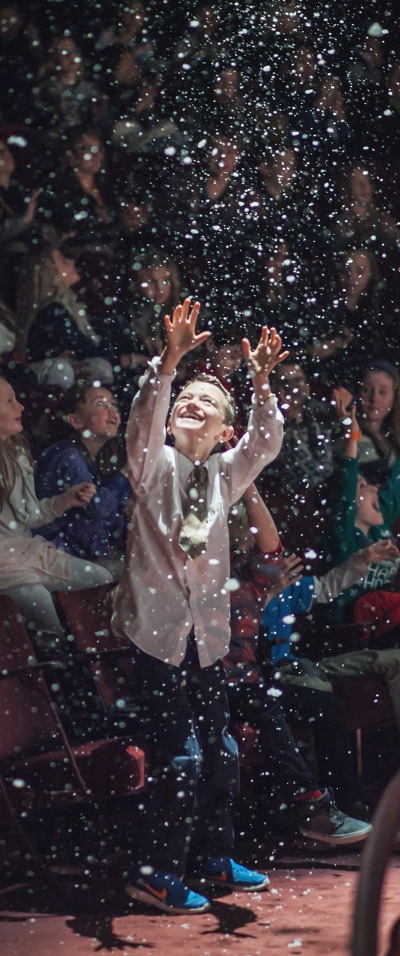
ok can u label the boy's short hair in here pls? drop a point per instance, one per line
(230, 414)
(374, 472)
(76, 395)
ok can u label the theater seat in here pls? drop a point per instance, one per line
(39, 768)
(87, 616)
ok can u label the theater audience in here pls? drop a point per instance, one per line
(79, 199)
(59, 341)
(64, 96)
(362, 220)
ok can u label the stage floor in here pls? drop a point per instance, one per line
(307, 910)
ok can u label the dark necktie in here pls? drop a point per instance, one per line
(193, 534)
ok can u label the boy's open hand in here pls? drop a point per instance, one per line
(265, 356)
(291, 570)
(378, 551)
(181, 329)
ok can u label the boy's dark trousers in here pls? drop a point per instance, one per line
(194, 772)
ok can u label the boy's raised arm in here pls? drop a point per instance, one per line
(146, 424)
(181, 335)
(263, 439)
(263, 360)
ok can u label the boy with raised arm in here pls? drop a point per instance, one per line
(173, 603)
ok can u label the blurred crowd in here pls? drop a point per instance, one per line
(248, 158)
(243, 155)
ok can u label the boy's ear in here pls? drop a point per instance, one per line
(169, 432)
(74, 420)
(227, 433)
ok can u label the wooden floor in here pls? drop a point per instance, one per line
(308, 910)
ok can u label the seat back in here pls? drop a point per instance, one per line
(27, 720)
(34, 747)
(366, 699)
(88, 617)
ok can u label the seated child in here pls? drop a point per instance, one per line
(359, 513)
(307, 689)
(31, 568)
(91, 451)
(288, 789)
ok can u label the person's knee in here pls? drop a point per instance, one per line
(56, 371)
(101, 369)
(87, 574)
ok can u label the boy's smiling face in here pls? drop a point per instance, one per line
(97, 414)
(198, 420)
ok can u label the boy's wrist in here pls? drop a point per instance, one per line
(262, 391)
(57, 505)
(169, 360)
(360, 560)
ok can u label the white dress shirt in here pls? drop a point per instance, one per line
(163, 593)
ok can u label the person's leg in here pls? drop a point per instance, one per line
(114, 564)
(72, 687)
(209, 858)
(219, 781)
(283, 772)
(325, 713)
(176, 799)
(168, 733)
(82, 575)
(295, 803)
(35, 603)
(385, 662)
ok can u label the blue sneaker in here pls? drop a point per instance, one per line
(167, 892)
(225, 872)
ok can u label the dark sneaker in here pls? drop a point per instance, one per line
(167, 892)
(321, 820)
(225, 872)
(358, 810)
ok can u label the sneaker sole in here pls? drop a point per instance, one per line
(332, 839)
(202, 881)
(144, 897)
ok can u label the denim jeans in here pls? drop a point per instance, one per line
(194, 773)
(324, 712)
